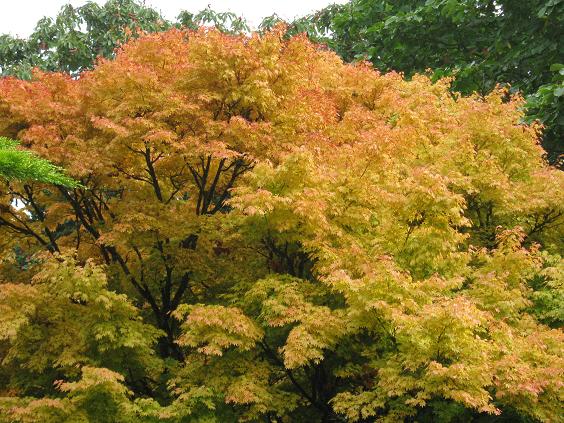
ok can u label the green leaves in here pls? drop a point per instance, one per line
(226, 22)
(547, 106)
(26, 166)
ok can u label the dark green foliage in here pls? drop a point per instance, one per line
(548, 293)
(547, 106)
(482, 42)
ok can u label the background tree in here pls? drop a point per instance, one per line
(73, 40)
(263, 232)
(547, 106)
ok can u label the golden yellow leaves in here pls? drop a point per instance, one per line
(77, 314)
(319, 329)
(80, 405)
(313, 217)
(284, 301)
(213, 329)
(17, 304)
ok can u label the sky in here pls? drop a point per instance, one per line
(18, 17)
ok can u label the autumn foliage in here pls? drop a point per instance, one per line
(263, 233)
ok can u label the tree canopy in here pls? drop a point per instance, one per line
(481, 43)
(265, 233)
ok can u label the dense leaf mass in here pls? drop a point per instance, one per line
(264, 233)
(481, 42)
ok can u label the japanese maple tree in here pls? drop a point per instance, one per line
(264, 233)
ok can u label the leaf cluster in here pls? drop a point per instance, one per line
(27, 166)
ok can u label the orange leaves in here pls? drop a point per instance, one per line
(529, 375)
(108, 125)
(332, 240)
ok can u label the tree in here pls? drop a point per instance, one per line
(546, 105)
(73, 40)
(481, 43)
(263, 232)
